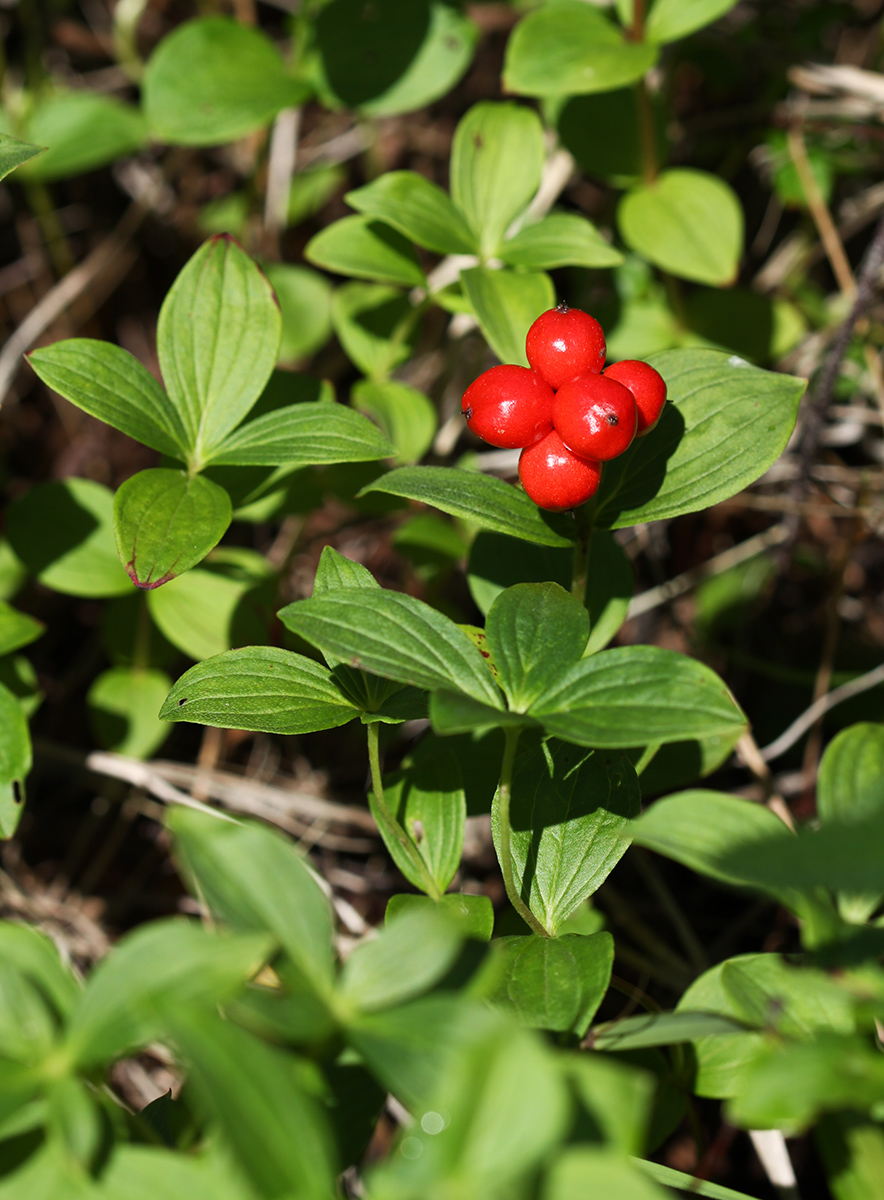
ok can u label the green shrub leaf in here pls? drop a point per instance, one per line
(535, 631)
(13, 153)
(63, 531)
(109, 383)
(559, 240)
(395, 636)
(166, 522)
(405, 415)
(305, 306)
(83, 130)
(496, 160)
(480, 499)
(366, 249)
(428, 801)
(123, 706)
(506, 304)
(633, 695)
(217, 338)
(726, 424)
(569, 812)
(418, 209)
(569, 48)
(850, 784)
(687, 222)
(310, 433)
(374, 324)
(406, 958)
(213, 80)
(670, 20)
(555, 983)
(17, 629)
(260, 688)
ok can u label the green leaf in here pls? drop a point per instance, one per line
(428, 801)
(311, 433)
(686, 222)
(844, 857)
(149, 1173)
(726, 424)
(569, 813)
(27, 1024)
(534, 631)
(496, 161)
(851, 784)
(480, 499)
(404, 414)
(13, 153)
(383, 58)
(555, 983)
(260, 688)
(73, 1120)
(310, 190)
(659, 1029)
(406, 958)
(604, 133)
(337, 571)
(271, 1126)
(506, 304)
(109, 383)
(497, 562)
(83, 130)
(63, 531)
(474, 914)
(789, 1083)
(374, 324)
(559, 240)
(17, 629)
(123, 706)
(581, 1172)
(395, 636)
(225, 604)
(670, 20)
(637, 694)
(678, 764)
(453, 712)
(505, 1098)
(852, 1151)
(213, 80)
(680, 1181)
(36, 956)
(255, 879)
(47, 1173)
(697, 829)
(217, 338)
(610, 585)
(366, 249)
(173, 961)
(617, 1096)
(418, 209)
(166, 522)
(305, 306)
(569, 48)
(762, 991)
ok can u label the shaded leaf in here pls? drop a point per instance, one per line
(17, 629)
(534, 631)
(404, 414)
(366, 249)
(305, 306)
(420, 210)
(555, 983)
(124, 703)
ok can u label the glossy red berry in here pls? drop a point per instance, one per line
(647, 386)
(509, 407)
(555, 478)
(596, 417)
(564, 343)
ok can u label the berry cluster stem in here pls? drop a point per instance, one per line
(505, 833)
(581, 554)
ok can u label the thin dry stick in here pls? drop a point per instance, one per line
(822, 218)
(63, 295)
(773, 1153)
(280, 168)
(740, 553)
(751, 756)
(801, 725)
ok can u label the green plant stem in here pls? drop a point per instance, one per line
(394, 828)
(581, 554)
(505, 833)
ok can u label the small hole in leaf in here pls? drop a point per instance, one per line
(17, 796)
(183, 700)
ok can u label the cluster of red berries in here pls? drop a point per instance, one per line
(565, 413)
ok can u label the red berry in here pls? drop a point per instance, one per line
(555, 478)
(564, 343)
(648, 387)
(509, 407)
(596, 417)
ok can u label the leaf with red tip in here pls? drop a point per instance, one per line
(165, 523)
